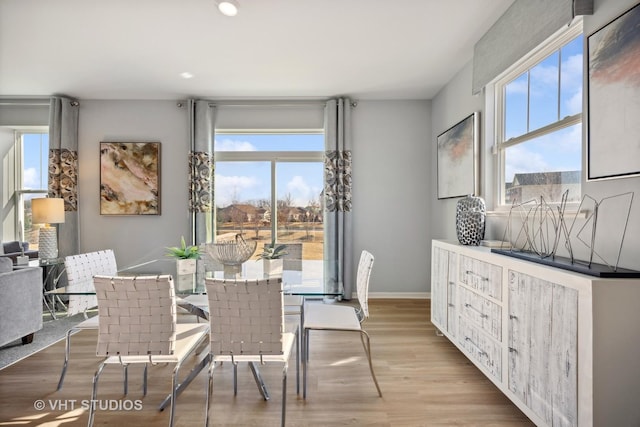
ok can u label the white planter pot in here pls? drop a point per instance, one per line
(186, 266)
(272, 267)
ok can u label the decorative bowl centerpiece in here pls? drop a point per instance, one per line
(231, 252)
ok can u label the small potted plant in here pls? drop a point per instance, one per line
(271, 257)
(185, 256)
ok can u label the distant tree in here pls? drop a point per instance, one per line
(311, 214)
(257, 220)
(284, 210)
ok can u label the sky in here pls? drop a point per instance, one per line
(560, 151)
(251, 181)
(35, 161)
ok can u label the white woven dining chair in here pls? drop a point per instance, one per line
(340, 317)
(138, 325)
(80, 270)
(247, 325)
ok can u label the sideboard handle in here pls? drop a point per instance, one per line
(473, 273)
(469, 306)
(481, 352)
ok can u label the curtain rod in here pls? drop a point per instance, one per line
(267, 104)
(25, 102)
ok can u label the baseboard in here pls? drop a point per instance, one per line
(399, 295)
(388, 295)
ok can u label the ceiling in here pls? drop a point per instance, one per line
(137, 49)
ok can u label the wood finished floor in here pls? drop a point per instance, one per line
(425, 381)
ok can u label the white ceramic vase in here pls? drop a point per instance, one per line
(272, 267)
(186, 266)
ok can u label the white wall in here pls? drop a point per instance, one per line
(391, 192)
(455, 101)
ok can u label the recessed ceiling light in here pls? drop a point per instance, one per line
(228, 7)
(186, 75)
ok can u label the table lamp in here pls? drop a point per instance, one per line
(47, 211)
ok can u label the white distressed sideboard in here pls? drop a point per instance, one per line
(563, 346)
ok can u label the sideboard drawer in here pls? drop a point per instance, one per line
(485, 351)
(482, 312)
(481, 276)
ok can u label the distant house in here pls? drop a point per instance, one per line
(550, 185)
(246, 213)
(295, 214)
(239, 213)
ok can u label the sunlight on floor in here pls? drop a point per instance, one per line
(346, 361)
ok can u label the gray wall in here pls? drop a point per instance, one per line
(396, 210)
(455, 102)
(390, 180)
(133, 238)
(391, 192)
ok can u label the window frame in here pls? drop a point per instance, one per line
(19, 190)
(273, 157)
(537, 55)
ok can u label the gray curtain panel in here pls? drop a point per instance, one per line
(63, 169)
(202, 119)
(338, 248)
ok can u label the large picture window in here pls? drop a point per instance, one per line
(539, 123)
(31, 181)
(268, 187)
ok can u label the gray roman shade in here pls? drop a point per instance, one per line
(24, 112)
(521, 28)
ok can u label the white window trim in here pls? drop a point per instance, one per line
(496, 102)
(19, 189)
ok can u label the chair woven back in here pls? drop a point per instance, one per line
(80, 271)
(137, 315)
(365, 265)
(246, 316)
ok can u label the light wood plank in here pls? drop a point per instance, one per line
(425, 379)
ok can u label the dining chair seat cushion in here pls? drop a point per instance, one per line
(287, 340)
(331, 316)
(292, 304)
(187, 335)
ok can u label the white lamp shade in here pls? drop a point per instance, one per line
(47, 211)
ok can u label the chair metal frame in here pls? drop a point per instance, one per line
(80, 270)
(138, 325)
(340, 317)
(248, 325)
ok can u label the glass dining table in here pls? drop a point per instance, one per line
(298, 284)
(305, 281)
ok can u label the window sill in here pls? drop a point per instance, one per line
(572, 213)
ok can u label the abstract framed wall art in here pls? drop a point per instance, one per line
(458, 159)
(130, 178)
(613, 141)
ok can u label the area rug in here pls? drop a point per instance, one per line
(52, 331)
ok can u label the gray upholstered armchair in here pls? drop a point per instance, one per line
(20, 302)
